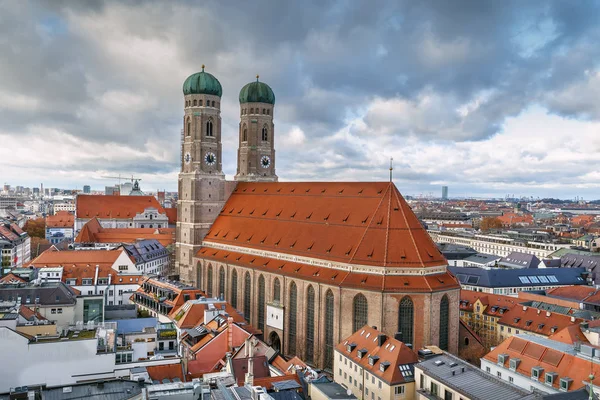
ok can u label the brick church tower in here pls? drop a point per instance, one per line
(256, 149)
(201, 179)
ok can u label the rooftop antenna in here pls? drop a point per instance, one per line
(391, 167)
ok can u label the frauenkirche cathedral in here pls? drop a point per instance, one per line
(308, 263)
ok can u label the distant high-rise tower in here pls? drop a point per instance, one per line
(444, 192)
(87, 189)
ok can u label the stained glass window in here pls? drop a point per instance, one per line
(329, 330)
(276, 290)
(360, 312)
(261, 303)
(406, 319)
(310, 325)
(234, 288)
(247, 296)
(293, 319)
(444, 311)
(209, 279)
(221, 282)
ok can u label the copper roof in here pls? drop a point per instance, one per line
(364, 223)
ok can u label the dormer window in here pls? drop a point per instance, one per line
(361, 353)
(502, 358)
(536, 372)
(565, 383)
(383, 366)
(373, 360)
(350, 347)
(514, 363)
(550, 378)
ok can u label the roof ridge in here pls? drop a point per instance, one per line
(412, 238)
(367, 229)
(387, 229)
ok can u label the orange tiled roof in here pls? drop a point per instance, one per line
(542, 322)
(577, 292)
(570, 334)
(393, 351)
(469, 297)
(268, 381)
(192, 314)
(104, 271)
(93, 232)
(12, 278)
(386, 283)
(57, 258)
(366, 223)
(513, 218)
(169, 371)
(30, 314)
(62, 219)
(117, 207)
(172, 215)
(535, 355)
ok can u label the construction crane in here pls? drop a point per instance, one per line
(133, 179)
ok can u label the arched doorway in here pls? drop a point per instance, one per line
(274, 341)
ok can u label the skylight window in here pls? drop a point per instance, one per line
(543, 279)
(534, 279)
(552, 279)
(524, 279)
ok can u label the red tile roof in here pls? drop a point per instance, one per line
(172, 215)
(169, 371)
(393, 351)
(366, 223)
(570, 335)
(535, 355)
(117, 207)
(56, 258)
(386, 283)
(542, 322)
(577, 292)
(12, 278)
(93, 232)
(62, 219)
(489, 301)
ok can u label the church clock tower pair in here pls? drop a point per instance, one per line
(202, 187)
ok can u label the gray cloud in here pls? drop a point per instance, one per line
(111, 72)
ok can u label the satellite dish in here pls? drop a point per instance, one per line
(349, 392)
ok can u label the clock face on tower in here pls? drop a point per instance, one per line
(210, 158)
(187, 158)
(265, 161)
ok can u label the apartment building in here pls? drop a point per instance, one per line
(375, 366)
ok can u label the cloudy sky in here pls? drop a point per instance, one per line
(488, 97)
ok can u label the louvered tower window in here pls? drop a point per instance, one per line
(209, 278)
(444, 312)
(261, 303)
(293, 319)
(234, 288)
(276, 290)
(310, 325)
(221, 282)
(247, 289)
(360, 311)
(406, 320)
(329, 330)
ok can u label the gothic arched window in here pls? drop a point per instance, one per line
(293, 319)
(263, 111)
(444, 311)
(199, 274)
(310, 325)
(276, 290)
(221, 282)
(195, 103)
(209, 278)
(234, 288)
(265, 134)
(360, 311)
(213, 103)
(252, 111)
(329, 330)
(189, 127)
(200, 103)
(247, 296)
(244, 134)
(406, 319)
(261, 303)
(209, 127)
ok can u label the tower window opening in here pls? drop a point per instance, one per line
(245, 135)
(195, 102)
(209, 128)
(252, 111)
(264, 111)
(213, 103)
(265, 134)
(189, 127)
(200, 103)
(268, 112)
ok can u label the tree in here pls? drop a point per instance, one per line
(36, 228)
(489, 223)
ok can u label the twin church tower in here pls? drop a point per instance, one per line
(203, 189)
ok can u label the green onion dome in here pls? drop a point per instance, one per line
(202, 83)
(257, 92)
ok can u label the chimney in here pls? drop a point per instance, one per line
(381, 340)
(229, 334)
(548, 313)
(398, 336)
(250, 374)
(539, 311)
(374, 327)
(572, 319)
(524, 308)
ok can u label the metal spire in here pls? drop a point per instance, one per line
(391, 167)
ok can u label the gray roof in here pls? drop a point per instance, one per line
(146, 250)
(502, 277)
(581, 394)
(111, 390)
(520, 260)
(333, 390)
(468, 380)
(54, 293)
(482, 258)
